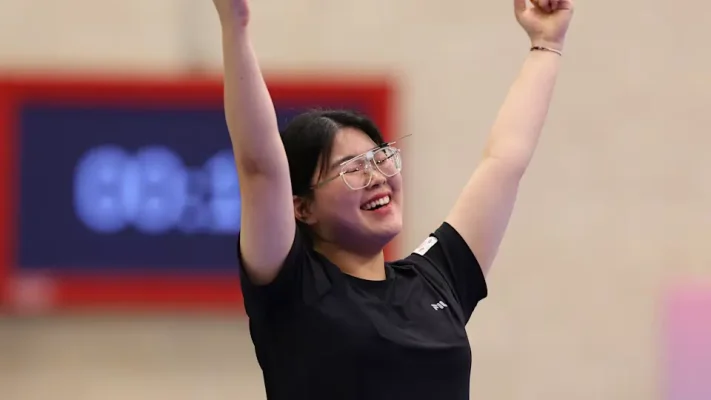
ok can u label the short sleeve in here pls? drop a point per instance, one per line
(286, 289)
(446, 251)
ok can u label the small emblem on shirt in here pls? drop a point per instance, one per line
(439, 305)
(425, 246)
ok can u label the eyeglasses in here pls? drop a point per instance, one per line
(357, 172)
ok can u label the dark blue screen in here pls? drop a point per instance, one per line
(122, 189)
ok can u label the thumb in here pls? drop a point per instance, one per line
(519, 6)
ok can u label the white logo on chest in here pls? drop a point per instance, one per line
(439, 305)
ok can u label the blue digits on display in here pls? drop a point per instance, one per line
(224, 204)
(99, 189)
(153, 192)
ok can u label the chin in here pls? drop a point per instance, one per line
(386, 225)
(387, 232)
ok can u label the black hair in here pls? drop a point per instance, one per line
(309, 138)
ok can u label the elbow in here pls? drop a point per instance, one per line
(249, 166)
(261, 164)
(263, 156)
(513, 164)
(516, 150)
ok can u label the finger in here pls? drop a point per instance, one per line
(544, 5)
(520, 6)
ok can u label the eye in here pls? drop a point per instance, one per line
(354, 166)
(387, 158)
(384, 155)
(351, 169)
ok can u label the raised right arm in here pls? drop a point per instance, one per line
(268, 224)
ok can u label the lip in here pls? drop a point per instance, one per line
(377, 197)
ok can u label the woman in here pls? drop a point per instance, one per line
(329, 318)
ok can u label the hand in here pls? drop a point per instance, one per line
(546, 22)
(233, 11)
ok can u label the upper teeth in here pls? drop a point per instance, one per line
(380, 202)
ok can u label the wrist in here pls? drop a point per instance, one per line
(549, 50)
(232, 27)
(231, 20)
(547, 44)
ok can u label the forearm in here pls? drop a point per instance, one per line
(520, 119)
(249, 110)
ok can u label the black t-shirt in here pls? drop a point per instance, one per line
(322, 334)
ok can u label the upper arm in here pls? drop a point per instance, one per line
(447, 255)
(481, 213)
(268, 225)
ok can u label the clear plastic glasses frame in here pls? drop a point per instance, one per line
(357, 172)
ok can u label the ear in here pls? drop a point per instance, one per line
(302, 210)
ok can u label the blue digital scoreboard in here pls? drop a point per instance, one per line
(107, 189)
(126, 192)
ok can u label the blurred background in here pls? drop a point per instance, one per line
(602, 289)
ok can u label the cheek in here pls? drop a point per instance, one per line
(396, 186)
(396, 183)
(337, 201)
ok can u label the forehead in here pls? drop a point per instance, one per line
(350, 142)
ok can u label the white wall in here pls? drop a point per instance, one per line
(613, 209)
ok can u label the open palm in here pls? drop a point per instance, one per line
(546, 21)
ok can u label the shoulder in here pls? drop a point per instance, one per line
(444, 246)
(444, 257)
(303, 278)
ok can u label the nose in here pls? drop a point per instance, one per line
(377, 178)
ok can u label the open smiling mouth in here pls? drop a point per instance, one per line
(376, 204)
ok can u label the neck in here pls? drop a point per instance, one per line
(361, 265)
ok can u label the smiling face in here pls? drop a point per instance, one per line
(358, 196)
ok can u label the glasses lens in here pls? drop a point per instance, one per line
(387, 160)
(357, 173)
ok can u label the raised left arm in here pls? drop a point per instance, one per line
(482, 212)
